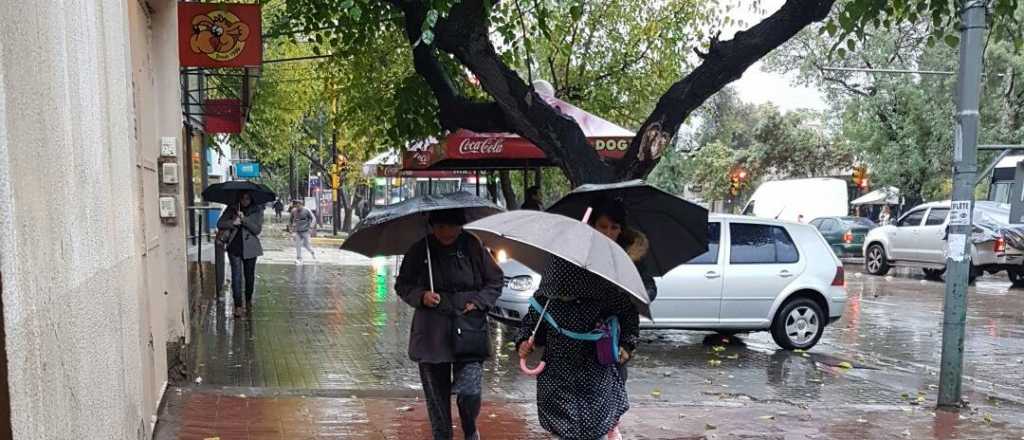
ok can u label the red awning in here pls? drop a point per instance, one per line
(465, 149)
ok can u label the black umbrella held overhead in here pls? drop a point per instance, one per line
(393, 230)
(227, 192)
(677, 229)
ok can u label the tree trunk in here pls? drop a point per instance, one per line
(508, 190)
(346, 225)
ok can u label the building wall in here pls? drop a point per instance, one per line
(94, 284)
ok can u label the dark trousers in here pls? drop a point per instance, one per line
(242, 268)
(439, 382)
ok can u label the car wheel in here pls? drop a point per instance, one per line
(875, 262)
(799, 324)
(934, 274)
(1016, 277)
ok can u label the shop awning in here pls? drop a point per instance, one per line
(883, 196)
(464, 149)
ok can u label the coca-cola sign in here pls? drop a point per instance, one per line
(482, 146)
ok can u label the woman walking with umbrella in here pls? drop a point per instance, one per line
(245, 221)
(451, 281)
(239, 228)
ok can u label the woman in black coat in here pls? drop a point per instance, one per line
(466, 280)
(245, 220)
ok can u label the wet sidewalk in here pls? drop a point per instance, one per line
(191, 414)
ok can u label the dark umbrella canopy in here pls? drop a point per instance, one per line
(394, 229)
(677, 229)
(227, 192)
(533, 238)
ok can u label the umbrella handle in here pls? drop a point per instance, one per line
(533, 372)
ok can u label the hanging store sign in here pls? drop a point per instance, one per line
(222, 116)
(219, 35)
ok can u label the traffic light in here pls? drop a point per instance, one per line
(860, 176)
(737, 179)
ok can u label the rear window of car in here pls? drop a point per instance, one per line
(761, 244)
(714, 239)
(859, 221)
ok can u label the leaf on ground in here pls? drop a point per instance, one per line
(709, 427)
(988, 418)
(805, 355)
(718, 348)
(404, 409)
(656, 393)
(733, 356)
(714, 362)
(845, 364)
(797, 350)
(767, 417)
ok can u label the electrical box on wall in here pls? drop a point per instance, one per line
(169, 173)
(169, 146)
(168, 207)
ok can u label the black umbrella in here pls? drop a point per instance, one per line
(227, 192)
(393, 230)
(677, 229)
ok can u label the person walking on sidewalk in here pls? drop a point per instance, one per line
(278, 208)
(610, 219)
(245, 220)
(466, 280)
(303, 225)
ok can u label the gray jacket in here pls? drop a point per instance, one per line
(302, 219)
(464, 272)
(251, 227)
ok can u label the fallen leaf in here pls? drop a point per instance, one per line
(797, 350)
(845, 364)
(404, 408)
(988, 418)
(709, 427)
(767, 417)
(718, 348)
(733, 356)
(920, 399)
(656, 393)
(714, 362)
(805, 355)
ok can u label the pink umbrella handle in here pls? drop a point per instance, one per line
(531, 372)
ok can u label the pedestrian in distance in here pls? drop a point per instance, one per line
(244, 221)
(610, 218)
(886, 216)
(303, 225)
(533, 199)
(578, 397)
(466, 280)
(278, 208)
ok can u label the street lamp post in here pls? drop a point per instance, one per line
(965, 167)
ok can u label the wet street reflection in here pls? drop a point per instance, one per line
(340, 329)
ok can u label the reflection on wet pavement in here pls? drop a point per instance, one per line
(340, 327)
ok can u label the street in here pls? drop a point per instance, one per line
(333, 335)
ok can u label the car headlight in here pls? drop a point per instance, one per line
(520, 283)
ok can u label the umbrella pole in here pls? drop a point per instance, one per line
(430, 266)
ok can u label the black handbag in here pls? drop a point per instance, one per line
(471, 335)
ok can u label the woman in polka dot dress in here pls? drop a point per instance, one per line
(577, 397)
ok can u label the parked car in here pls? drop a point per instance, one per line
(757, 275)
(918, 239)
(799, 200)
(844, 234)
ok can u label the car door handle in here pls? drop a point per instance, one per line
(785, 273)
(712, 275)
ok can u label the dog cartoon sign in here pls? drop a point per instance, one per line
(219, 35)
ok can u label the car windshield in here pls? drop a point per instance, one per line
(858, 221)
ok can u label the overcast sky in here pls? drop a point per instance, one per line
(757, 86)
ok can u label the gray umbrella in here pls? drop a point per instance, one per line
(533, 237)
(394, 229)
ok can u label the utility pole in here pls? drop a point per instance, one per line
(335, 184)
(965, 167)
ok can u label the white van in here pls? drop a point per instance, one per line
(790, 199)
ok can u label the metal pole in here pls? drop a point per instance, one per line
(965, 167)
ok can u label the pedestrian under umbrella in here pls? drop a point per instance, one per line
(451, 280)
(589, 294)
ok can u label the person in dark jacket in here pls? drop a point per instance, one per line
(611, 219)
(466, 279)
(533, 199)
(246, 219)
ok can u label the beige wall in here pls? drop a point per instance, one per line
(94, 283)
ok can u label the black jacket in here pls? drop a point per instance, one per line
(463, 272)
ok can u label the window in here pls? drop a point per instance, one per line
(714, 238)
(912, 219)
(937, 216)
(859, 221)
(817, 223)
(761, 244)
(829, 225)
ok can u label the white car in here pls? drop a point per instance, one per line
(770, 276)
(918, 239)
